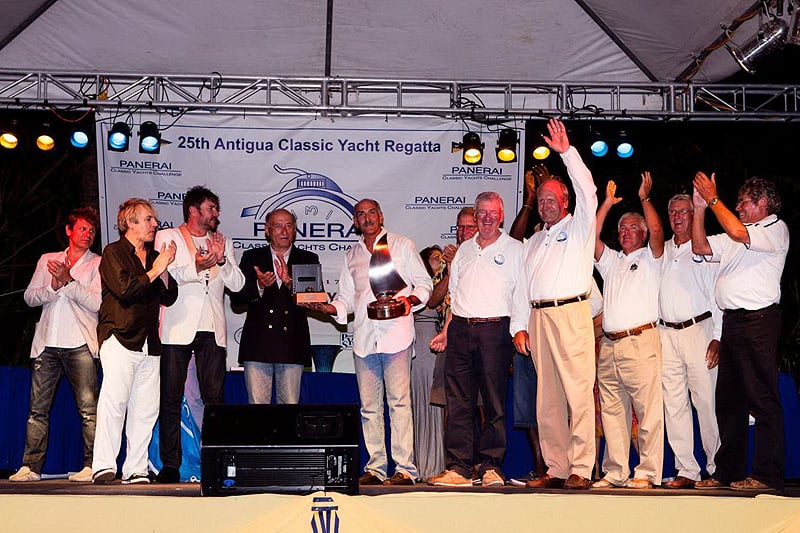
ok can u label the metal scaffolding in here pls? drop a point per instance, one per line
(481, 101)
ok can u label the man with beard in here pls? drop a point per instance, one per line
(204, 267)
(382, 348)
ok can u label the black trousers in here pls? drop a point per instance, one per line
(477, 359)
(210, 362)
(747, 383)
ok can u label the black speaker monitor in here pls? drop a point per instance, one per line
(295, 449)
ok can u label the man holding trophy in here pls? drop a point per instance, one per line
(382, 280)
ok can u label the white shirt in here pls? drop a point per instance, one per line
(487, 282)
(750, 276)
(69, 315)
(630, 288)
(558, 260)
(389, 335)
(687, 286)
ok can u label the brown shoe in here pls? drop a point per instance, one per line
(545, 482)
(679, 482)
(399, 478)
(369, 479)
(576, 482)
(709, 483)
(750, 484)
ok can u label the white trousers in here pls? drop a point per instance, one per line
(684, 373)
(629, 377)
(130, 387)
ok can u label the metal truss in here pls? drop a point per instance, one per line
(481, 101)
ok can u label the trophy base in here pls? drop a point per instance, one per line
(384, 310)
(311, 297)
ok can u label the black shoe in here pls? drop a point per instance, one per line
(168, 475)
(369, 479)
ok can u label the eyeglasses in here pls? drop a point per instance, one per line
(464, 227)
(481, 213)
(673, 212)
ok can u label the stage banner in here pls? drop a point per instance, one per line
(318, 168)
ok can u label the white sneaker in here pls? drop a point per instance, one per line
(25, 474)
(84, 476)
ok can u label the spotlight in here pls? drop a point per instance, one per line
(149, 138)
(599, 148)
(624, 148)
(540, 150)
(770, 38)
(79, 139)
(45, 141)
(9, 138)
(473, 149)
(118, 137)
(506, 150)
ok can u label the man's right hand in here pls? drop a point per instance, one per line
(611, 194)
(265, 279)
(439, 342)
(449, 253)
(522, 342)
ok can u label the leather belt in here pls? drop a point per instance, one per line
(541, 304)
(479, 320)
(745, 311)
(686, 323)
(638, 330)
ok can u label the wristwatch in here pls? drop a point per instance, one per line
(713, 201)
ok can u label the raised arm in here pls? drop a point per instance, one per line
(707, 189)
(602, 212)
(651, 217)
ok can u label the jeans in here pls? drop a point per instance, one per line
(389, 372)
(81, 371)
(258, 378)
(210, 362)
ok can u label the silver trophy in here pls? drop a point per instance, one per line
(385, 282)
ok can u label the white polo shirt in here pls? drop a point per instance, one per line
(687, 286)
(487, 282)
(558, 260)
(630, 288)
(750, 276)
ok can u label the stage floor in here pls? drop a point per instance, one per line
(58, 505)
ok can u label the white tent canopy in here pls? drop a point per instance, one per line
(561, 40)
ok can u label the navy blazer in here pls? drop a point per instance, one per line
(275, 329)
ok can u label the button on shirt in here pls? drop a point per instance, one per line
(487, 282)
(69, 315)
(558, 260)
(750, 276)
(630, 288)
(389, 335)
(687, 286)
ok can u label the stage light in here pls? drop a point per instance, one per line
(506, 150)
(119, 137)
(473, 149)
(149, 138)
(44, 140)
(540, 150)
(9, 138)
(624, 148)
(770, 38)
(79, 139)
(599, 148)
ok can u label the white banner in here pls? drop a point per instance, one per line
(316, 168)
